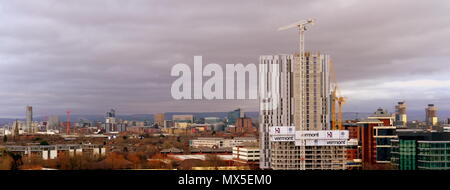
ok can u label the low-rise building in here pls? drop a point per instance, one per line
(217, 142)
(183, 118)
(53, 151)
(246, 156)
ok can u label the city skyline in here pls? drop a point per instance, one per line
(118, 54)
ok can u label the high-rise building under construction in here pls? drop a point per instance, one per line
(431, 115)
(296, 94)
(400, 114)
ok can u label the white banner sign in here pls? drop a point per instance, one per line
(330, 134)
(282, 130)
(282, 138)
(322, 142)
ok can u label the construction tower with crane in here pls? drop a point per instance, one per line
(308, 98)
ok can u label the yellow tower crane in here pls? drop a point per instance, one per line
(335, 98)
(341, 101)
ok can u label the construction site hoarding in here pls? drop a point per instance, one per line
(322, 142)
(282, 138)
(322, 135)
(282, 130)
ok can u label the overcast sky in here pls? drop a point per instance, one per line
(92, 55)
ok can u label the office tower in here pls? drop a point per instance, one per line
(29, 120)
(110, 121)
(295, 94)
(16, 128)
(400, 114)
(53, 122)
(232, 116)
(159, 119)
(431, 115)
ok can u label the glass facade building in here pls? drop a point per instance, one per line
(232, 116)
(404, 154)
(383, 137)
(421, 150)
(434, 155)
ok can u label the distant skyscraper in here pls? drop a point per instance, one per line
(29, 120)
(110, 121)
(400, 114)
(431, 115)
(232, 116)
(111, 113)
(53, 122)
(16, 128)
(159, 119)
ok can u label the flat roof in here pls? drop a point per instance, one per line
(369, 121)
(209, 138)
(433, 141)
(199, 157)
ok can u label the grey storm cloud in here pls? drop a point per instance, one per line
(92, 55)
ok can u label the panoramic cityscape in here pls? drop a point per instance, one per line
(231, 140)
(82, 94)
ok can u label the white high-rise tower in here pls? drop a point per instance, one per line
(314, 99)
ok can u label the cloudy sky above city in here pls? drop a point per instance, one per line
(92, 55)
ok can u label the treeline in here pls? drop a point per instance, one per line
(123, 153)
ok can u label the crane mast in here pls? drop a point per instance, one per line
(341, 101)
(336, 98)
(301, 25)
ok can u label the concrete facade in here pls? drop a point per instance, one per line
(303, 101)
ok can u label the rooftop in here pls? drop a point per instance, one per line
(369, 121)
(381, 113)
(422, 135)
(198, 157)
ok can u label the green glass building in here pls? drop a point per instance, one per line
(404, 154)
(421, 150)
(434, 155)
